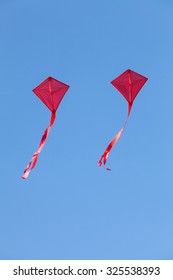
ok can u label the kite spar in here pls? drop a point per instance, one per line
(51, 92)
(128, 84)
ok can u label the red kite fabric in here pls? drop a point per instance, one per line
(51, 92)
(128, 84)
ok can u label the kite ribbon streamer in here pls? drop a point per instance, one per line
(34, 159)
(113, 142)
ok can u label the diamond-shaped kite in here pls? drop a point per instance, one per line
(128, 84)
(51, 92)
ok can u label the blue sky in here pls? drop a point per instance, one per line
(69, 208)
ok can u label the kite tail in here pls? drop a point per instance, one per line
(105, 155)
(34, 158)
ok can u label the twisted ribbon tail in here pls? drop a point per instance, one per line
(34, 158)
(104, 157)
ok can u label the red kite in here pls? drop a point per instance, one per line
(51, 92)
(128, 84)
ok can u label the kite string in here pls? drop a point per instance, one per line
(105, 155)
(34, 158)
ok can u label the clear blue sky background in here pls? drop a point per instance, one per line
(69, 208)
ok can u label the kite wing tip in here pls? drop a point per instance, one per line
(25, 175)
